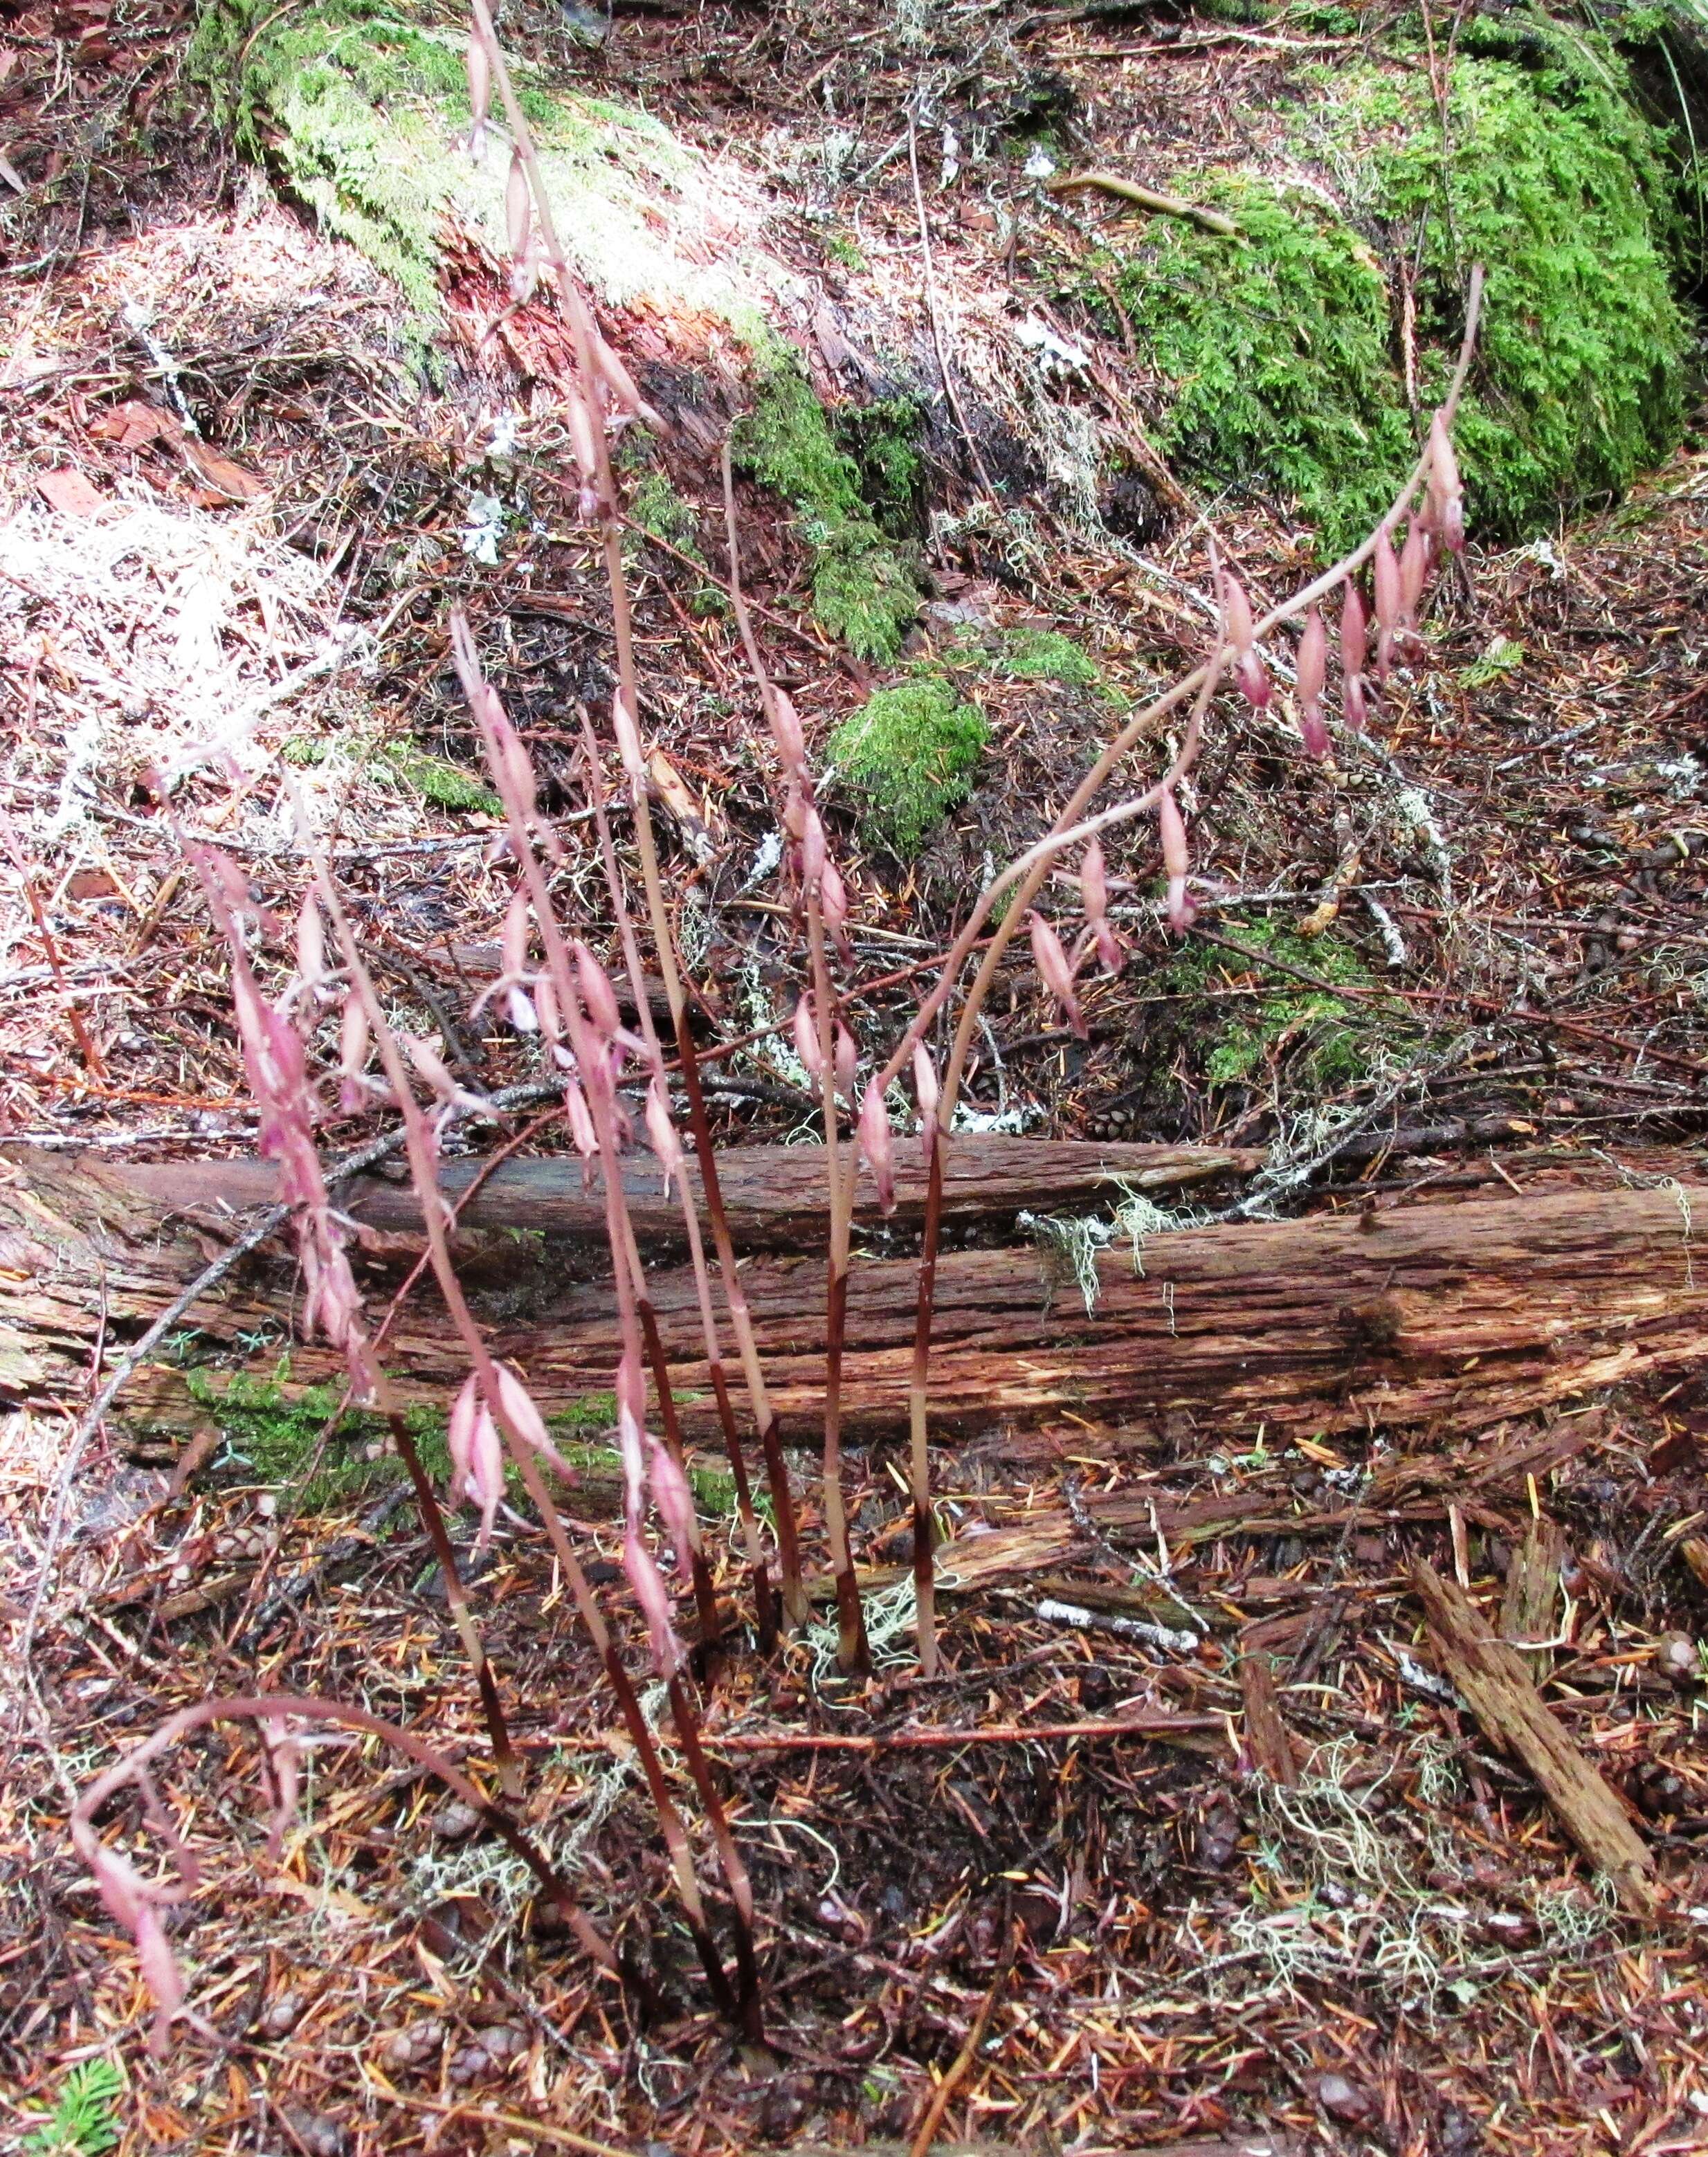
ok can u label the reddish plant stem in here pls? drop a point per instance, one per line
(918, 1455)
(763, 1607)
(794, 1599)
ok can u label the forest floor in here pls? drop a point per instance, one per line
(1475, 954)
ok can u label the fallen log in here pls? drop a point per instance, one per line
(773, 1195)
(1469, 1312)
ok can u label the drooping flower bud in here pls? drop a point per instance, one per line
(807, 1047)
(1446, 490)
(582, 1134)
(1414, 570)
(833, 904)
(786, 731)
(431, 1067)
(1095, 893)
(1313, 674)
(1387, 602)
(518, 209)
(580, 422)
(813, 853)
(628, 741)
(617, 379)
(878, 1144)
(1175, 862)
(928, 1093)
(1248, 674)
(1054, 971)
(354, 1088)
(662, 1131)
(847, 1061)
(1354, 632)
(1355, 702)
(310, 944)
(480, 67)
(597, 994)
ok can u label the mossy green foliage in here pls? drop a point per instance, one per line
(362, 108)
(654, 504)
(84, 2122)
(1276, 345)
(445, 786)
(909, 753)
(1555, 183)
(274, 1431)
(882, 439)
(863, 586)
(1337, 1039)
(1022, 654)
(1280, 345)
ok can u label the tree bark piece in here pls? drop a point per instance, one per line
(1266, 1734)
(1491, 1678)
(775, 1194)
(1532, 1598)
(1473, 1311)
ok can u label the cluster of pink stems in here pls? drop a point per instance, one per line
(554, 988)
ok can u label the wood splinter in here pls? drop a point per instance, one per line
(1490, 1677)
(1143, 197)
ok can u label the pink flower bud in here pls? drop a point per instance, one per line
(847, 1061)
(1447, 490)
(353, 1045)
(310, 944)
(524, 1419)
(1354, 633)
(518, 208)
(582, 1135)
(580, 422)
(620, 383)
(460, 1434)
(160, 1973)
(813, 855)
(1313, 673)
(878, 1144)
(1355, 702)
(597, 994)
(119, 1885)
(432, 1067)
(628, 740)
(1094, 893)
(1248, 674)
(672, 1496)
(926, 1090)
(1054, 971)
(1387, 602)
(654, 1598)
(785, 729)
(833, 902)
(661, 1133)
(806, 1038)
(1414, 568)
(1174, 861)
(630, 1391)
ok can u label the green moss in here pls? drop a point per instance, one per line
(1503, 657)
(1044, 655)
(361, 107)
(863, 588)
(1279, 346)
(1339, 1039)
(842, 249)
(909, 753)
(274, 1432)
(1554, 183)
(882, 439)
(654, 504)
(445, 786)
(1276, 347)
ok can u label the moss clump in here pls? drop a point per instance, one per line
(274, 1434)
(1044, 655)
(1279, 345)
(909, 752)
(657, 507)
(882, 439)
(864, 588)
(1276, 345)
(1554, 181)
(445, 786)
(361, 106)
(1339, 1039)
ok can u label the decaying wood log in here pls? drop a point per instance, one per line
(1491, 1678)
(1532, 1593)
(1472, 1311)
(1266, 1735)
(774, 1195)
